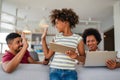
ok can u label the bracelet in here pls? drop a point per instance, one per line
(46, 59)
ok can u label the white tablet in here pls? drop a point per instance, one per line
(99, 58)
(60, 48)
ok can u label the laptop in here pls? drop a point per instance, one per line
(98, 58)
(60, 48)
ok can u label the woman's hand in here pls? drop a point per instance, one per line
(111, 64)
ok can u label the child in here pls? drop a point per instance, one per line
(62, 66)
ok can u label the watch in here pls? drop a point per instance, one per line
(46, 59)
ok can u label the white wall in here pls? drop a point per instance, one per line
(117, 25)
(9, 8)
(81, 27)
(0, 11)
(107, 24)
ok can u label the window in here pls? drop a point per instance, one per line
(7, 25)
(7, 22)
(3, 45)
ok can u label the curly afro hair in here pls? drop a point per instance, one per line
(64, 15)
(91, 31)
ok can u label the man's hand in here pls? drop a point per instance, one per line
(25, 44)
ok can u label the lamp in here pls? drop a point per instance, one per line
(26, 30)
(44, 23)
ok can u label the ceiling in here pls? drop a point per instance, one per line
(35, 9)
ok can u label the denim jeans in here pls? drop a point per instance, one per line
(61, 74)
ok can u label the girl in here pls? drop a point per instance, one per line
(62, 66)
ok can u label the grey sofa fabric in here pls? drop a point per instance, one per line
(41, 72)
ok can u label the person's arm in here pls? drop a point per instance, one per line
(32, 61)
(118, 65)
(44, 43)
(47, 53)
(112, 64)
(10, 66)
(81, 51)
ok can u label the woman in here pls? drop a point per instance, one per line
(92, 38)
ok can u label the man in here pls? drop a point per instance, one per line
(17, 52)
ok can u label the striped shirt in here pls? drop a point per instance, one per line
(61, 60)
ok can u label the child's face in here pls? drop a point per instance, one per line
(60, 25)
(16, 45)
